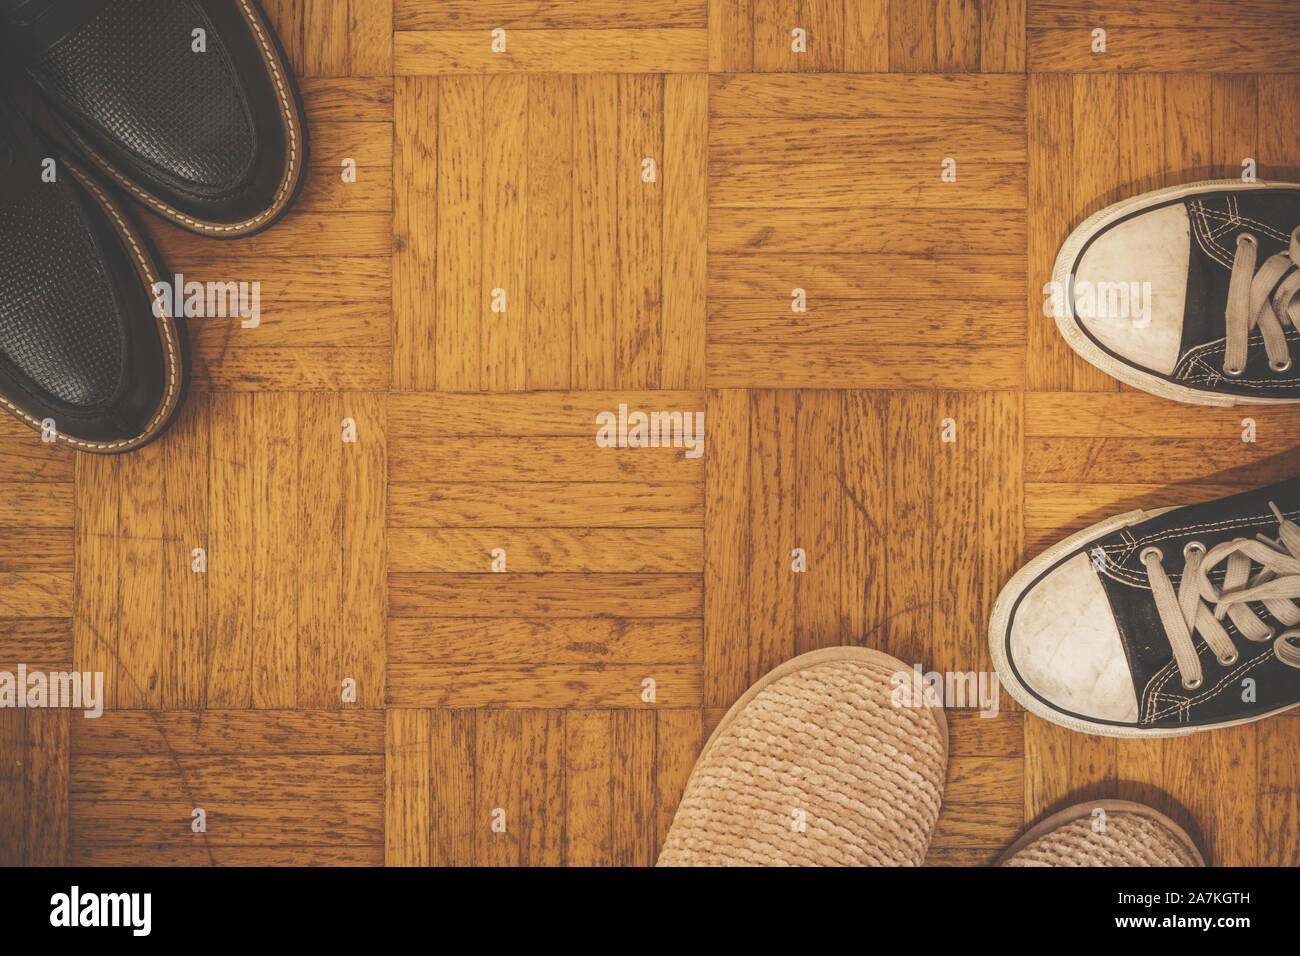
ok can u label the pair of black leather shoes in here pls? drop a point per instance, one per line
(187, 107)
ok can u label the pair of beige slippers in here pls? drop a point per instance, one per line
(838, 758)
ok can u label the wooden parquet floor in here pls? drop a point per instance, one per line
(619, 209)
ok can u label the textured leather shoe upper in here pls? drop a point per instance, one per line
(184, 117)
(56, 327)
(186, 104)
(79, 341)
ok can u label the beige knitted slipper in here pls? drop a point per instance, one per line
(815, 765)
(1128, 834)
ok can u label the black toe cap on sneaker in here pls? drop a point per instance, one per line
(83, 357)
(187, 105)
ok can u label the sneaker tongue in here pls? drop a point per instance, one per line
(31, 27)
(1216, 219)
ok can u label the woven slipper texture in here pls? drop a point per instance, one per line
(826, 740)
(1128, 839)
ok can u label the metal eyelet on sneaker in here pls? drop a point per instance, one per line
(1151, 549)
(1246, 237)
(1229, 661)
(1193, 684)
(1272, 633)
(1280, 368)
(1233, 372)
(1193, 547)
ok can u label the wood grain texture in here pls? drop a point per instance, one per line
(838, 545)
(239, 562)
(802, 243)
(370, 37)
(867, 36)
(556, 260)
(1182, 36)
(277, 787)
(576, 50)
(34, 784)
(588, 547)
(597, 14)
(38, 545)
(534, 787)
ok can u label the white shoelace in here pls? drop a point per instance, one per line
(1254, 301)
(1276, 586)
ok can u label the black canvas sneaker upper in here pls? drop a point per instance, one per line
(83, 357)
(1192, 293)
(187, 105)
(1091, 619)
(1225, 226)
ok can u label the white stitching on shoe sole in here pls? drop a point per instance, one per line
(164, 323)
(281, 196)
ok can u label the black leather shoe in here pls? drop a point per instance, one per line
(1160, 623)
(187, 105)
(83, 357)
(1191, 292)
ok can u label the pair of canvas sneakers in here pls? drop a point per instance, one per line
(188, 108)
(1150, 624)
(1167, 621)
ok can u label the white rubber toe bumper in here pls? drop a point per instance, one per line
(1130, 287)
(1066, 648)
